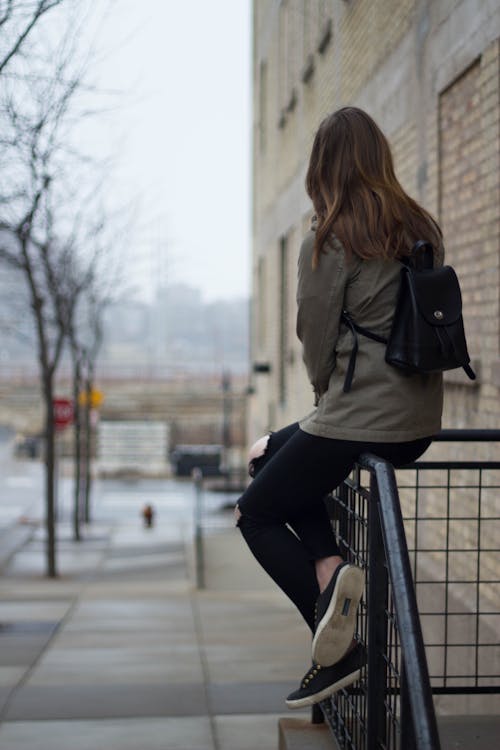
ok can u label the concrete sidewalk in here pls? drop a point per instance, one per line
(122, 652)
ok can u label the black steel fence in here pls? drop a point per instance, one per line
(434, 547)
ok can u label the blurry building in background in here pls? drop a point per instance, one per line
(428, 72)
(176, 333)
(174, 368)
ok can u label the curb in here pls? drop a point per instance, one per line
(13, 540)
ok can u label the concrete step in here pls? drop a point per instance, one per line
(456, 733)
(469, 732)
(300, 734)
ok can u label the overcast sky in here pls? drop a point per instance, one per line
(181, 131)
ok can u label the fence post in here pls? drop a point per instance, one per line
(198, 529)
(377, 625)
(405, 604)
(317, 716)
(407, 728)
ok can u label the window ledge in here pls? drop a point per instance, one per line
(308, 69)
(325, 37)
(292, 102)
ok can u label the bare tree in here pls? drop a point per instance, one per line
(34, 259)
(91, 280)
(97, 305)
(84, 341)
(107, 285)
(43, 235)
(73, 279)
(91, 293)
(36, 158)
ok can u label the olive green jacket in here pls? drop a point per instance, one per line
(384, 404)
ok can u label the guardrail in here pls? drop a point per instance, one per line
(450, 568)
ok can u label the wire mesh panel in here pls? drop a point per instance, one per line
(452, 520)
(452, 524)
(346, 712)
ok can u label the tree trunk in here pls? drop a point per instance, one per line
(50, 478)
(88, 445)
(77, 426)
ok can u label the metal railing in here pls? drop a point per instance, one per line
(448, 512)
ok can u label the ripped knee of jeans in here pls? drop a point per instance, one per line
(257, 453)
(244, 522)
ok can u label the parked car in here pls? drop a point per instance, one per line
(207, 458)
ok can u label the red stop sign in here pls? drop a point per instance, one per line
(63, 412)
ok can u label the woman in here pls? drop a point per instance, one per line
(364, 224)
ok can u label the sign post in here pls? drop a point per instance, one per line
(63, 417)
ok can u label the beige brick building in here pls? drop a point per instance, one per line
(429, 73)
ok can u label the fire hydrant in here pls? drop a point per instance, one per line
(148, 515)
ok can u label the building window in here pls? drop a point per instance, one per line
(283, 320)
(460, 148)
(462, 197)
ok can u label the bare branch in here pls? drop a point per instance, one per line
(41, 7)
(6, 13)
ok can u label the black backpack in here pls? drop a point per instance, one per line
(427, 333)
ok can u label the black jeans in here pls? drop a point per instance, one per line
(284, 519)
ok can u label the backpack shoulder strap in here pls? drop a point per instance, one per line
(422, 256)
(355, 329)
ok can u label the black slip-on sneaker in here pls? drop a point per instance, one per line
(336, 609)
(321, 682)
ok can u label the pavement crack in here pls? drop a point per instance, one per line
(74, 600)
(29, 671)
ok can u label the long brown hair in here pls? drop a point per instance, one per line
(355, 192)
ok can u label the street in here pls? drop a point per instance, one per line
(21, 499)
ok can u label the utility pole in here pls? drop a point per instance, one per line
(226, 420)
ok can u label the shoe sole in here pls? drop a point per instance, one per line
(335, 631)
(310, 700)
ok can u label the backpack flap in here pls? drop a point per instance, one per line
(437, 295)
